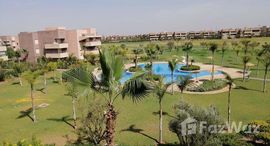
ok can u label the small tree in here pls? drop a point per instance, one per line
(43, 65)
(213, 47)
(31, 77)
(172, 65)
(19, 69)
(223, 50)
(245, 60)
(246, 46)
(187, 47)
(170, 45)
(52, 66)
(136, 52)
(182, 83)
(74, 94)
(265, 59)
(235, 46)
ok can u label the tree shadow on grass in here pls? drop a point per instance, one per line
(64, 119)
(41, 90)
(132, 128)
(15, 83)
(165, 114)
(25, 113)
(245, 88)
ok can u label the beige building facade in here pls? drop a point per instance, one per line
(59, 42)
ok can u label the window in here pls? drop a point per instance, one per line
(37, 51)
(36, 42)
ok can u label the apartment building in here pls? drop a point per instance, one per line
(10, 41)
(180, 35)
(3, 55)
(154, 36)
(210, 34)
(58, 42)
(230, 33)
(251, 32)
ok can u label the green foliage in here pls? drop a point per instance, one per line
(33, 142)
(92, 58)
(190, 68)
(2, 75)
(209, 85)
(10, 53)
(135, 69)
(184, 111)
(52, 66)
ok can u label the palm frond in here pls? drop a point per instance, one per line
(183, 81)
(80, 76)
(136, 88)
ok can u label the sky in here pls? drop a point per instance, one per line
(126, 17)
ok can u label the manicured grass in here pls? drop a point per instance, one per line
(248, 103)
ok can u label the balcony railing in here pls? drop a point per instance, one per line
(56, 55)
(56, 46)
(3, 48)
(92, 44)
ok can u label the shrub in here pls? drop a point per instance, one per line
(2, 75)
(209, 86)
(190, 68)
(135, 69)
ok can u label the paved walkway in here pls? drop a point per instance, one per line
(259, 79)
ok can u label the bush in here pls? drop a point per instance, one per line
(190, 68)
(2, 75)
(209, 86)
(135, 69)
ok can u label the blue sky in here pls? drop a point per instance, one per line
(132, 16)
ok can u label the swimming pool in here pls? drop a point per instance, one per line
(164, 70)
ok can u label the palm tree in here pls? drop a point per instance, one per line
(187, 47)
(151, 52)
(172, 65)
(182, 83)
(109, 85)
(259, 53)
(31, 77)
(74, 94)
(170, 45)
(52, 66)
(136, 52)
(235, 47)
(245, 60)
(213, 47)
(223, 49)
(160, 90)
(265, 59)
(246, 46)
(229, 82)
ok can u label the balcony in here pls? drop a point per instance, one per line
(92, 43)
(3, 49)
(56, 46)
(57, 55)
(3, 57)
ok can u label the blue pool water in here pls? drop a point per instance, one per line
(164, 70)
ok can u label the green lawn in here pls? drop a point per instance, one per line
(248, 103)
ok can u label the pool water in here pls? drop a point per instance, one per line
(163, 69)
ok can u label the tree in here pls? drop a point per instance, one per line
(245, 60)
(229, 82)
(187, 47)
(160, 90)
(235, 46)
(74, 94)
(109, 85)
(182, 83)
(170, 45)
(151, 52)
(18, 55)
(203, 45)
(91, 58)
(43, 65)
(246, 46)
(200, 137)
(265, 59)
(213, 47)
(223, 50)
(31, 77)
(10, 53)
(172, 65)
(136, 52)
(52, 66)
(19, 69)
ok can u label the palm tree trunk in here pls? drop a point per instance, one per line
(160, 123)
(182, 96)
(74, 113)
(45, 83)
(110, 125)
(244, 73)
(264, 78)
(222, 59)
(172, 82)
(229, 105)
(136, 58)
(213, 67)
(187, 59)
(33, 103)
